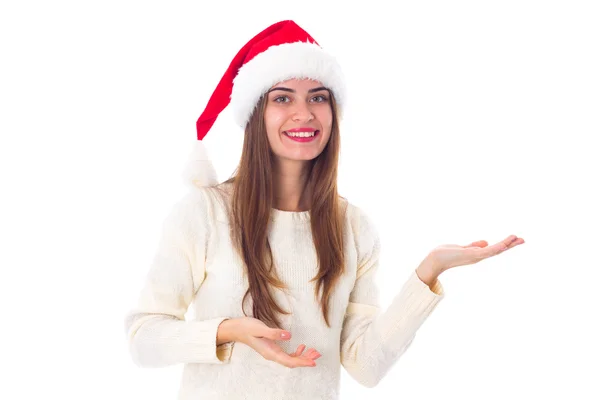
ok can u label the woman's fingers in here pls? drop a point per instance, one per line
(293, 362)
(308, 357)
(508, 243)
(312, 353)
(298, 351)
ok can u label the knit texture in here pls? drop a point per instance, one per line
(195, 266)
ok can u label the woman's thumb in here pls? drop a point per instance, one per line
(280, 334)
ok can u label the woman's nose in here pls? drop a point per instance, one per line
(302, 113)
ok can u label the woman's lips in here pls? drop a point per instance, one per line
(302, 139)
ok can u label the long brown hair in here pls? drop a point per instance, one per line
(249, 216)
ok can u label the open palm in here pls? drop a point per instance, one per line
(448, 256)
(270, 350)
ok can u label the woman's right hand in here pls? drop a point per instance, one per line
(256, 334)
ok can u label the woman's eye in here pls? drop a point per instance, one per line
(321, 98)
(285, 99)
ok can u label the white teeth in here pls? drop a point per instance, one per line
(300, 134)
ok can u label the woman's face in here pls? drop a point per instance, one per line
(299, 107)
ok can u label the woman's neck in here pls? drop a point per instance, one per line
(290, 189)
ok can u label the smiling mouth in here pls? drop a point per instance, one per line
(301, 134)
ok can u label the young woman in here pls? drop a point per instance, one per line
(274, 260)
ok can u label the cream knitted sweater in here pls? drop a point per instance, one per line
(195, 266)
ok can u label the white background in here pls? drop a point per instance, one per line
(466, 120)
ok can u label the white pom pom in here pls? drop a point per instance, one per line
(199, 170)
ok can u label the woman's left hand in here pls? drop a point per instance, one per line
(449, 256)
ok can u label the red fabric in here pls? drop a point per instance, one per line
(279, 33)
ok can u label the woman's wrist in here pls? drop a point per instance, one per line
(225, 332)
(428, 271)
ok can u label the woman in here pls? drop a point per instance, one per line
(273, 260)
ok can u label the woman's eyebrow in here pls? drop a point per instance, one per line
(293, 91)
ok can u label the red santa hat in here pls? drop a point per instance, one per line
(280, 52)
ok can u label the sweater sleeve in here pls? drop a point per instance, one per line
(371, 340)
(157, 333)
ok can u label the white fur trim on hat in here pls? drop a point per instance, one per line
(279, 63)
(199, 170)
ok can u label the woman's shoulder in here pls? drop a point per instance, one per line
(217, 200)
(365, 233)
(190, 206)
(194, 213)
(362, 224)
(358, 215)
